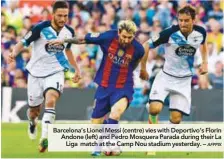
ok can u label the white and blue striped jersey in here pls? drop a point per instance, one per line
(47, 60)
(179, 50)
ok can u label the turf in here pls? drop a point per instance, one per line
(16, 144)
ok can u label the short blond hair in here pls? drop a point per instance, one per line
(127, 25)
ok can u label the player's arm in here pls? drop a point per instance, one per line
(204, 55)
(139, 56)
(74, 40)
(16, 50)
(89, 38)
(74, 64)
(153, 42)
(143, 73)
(31, 36)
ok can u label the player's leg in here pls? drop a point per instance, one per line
(35, 99)
(155, 107)
(179, 106)
(101, 108)
(117, 110)
(33, 113)
(180, 100)
(157, 96)
(119, 100)
(53, 88)
(175, 116)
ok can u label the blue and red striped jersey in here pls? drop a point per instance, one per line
(118, 63)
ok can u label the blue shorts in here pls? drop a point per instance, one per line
(107, 97)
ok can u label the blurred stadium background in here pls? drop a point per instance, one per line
(75, 105)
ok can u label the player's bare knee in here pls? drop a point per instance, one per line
(175, 118)
(155, 108)
(50, 102)
(116, 115)
(116, 112)
(51, 97)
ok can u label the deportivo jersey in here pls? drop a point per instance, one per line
(117, 66)
(47, 60)
(179, 50)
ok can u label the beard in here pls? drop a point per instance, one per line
(59, 24)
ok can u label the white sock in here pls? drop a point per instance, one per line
(48, 118)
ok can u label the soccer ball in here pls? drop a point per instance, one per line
(111, 150)
(112, 153)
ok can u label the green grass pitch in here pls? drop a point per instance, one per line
(16, 144)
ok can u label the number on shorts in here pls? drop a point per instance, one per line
(57, 85)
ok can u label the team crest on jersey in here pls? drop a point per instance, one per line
(28, 35)
(94, 35)
(120, 53)
(185, 50)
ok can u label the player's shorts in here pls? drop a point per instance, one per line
(179, 90)
(37, 87)
(105, 98)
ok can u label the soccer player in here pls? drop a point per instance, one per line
(121, 54)
(181, 42)
(46, 68)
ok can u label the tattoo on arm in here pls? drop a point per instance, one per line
(75, 40)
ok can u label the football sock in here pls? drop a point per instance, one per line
(153, 119)
(98, 148)
(112, 121)
(105, 121)
(48, 118)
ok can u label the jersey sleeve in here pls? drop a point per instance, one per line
(73, 34)
(161, 38)
(31, 36)
(96, 38)
(141, 52)
(203, 31)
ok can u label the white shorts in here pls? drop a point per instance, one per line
(179, 90)
(38, 86)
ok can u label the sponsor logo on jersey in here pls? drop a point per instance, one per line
(121, 61)
(185, 50)
(54, 48)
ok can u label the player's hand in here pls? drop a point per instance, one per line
(56, 42)
(144, 75)
(10, 58)
(76, 77)
(203, 69)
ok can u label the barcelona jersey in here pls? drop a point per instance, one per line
(118, 63)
